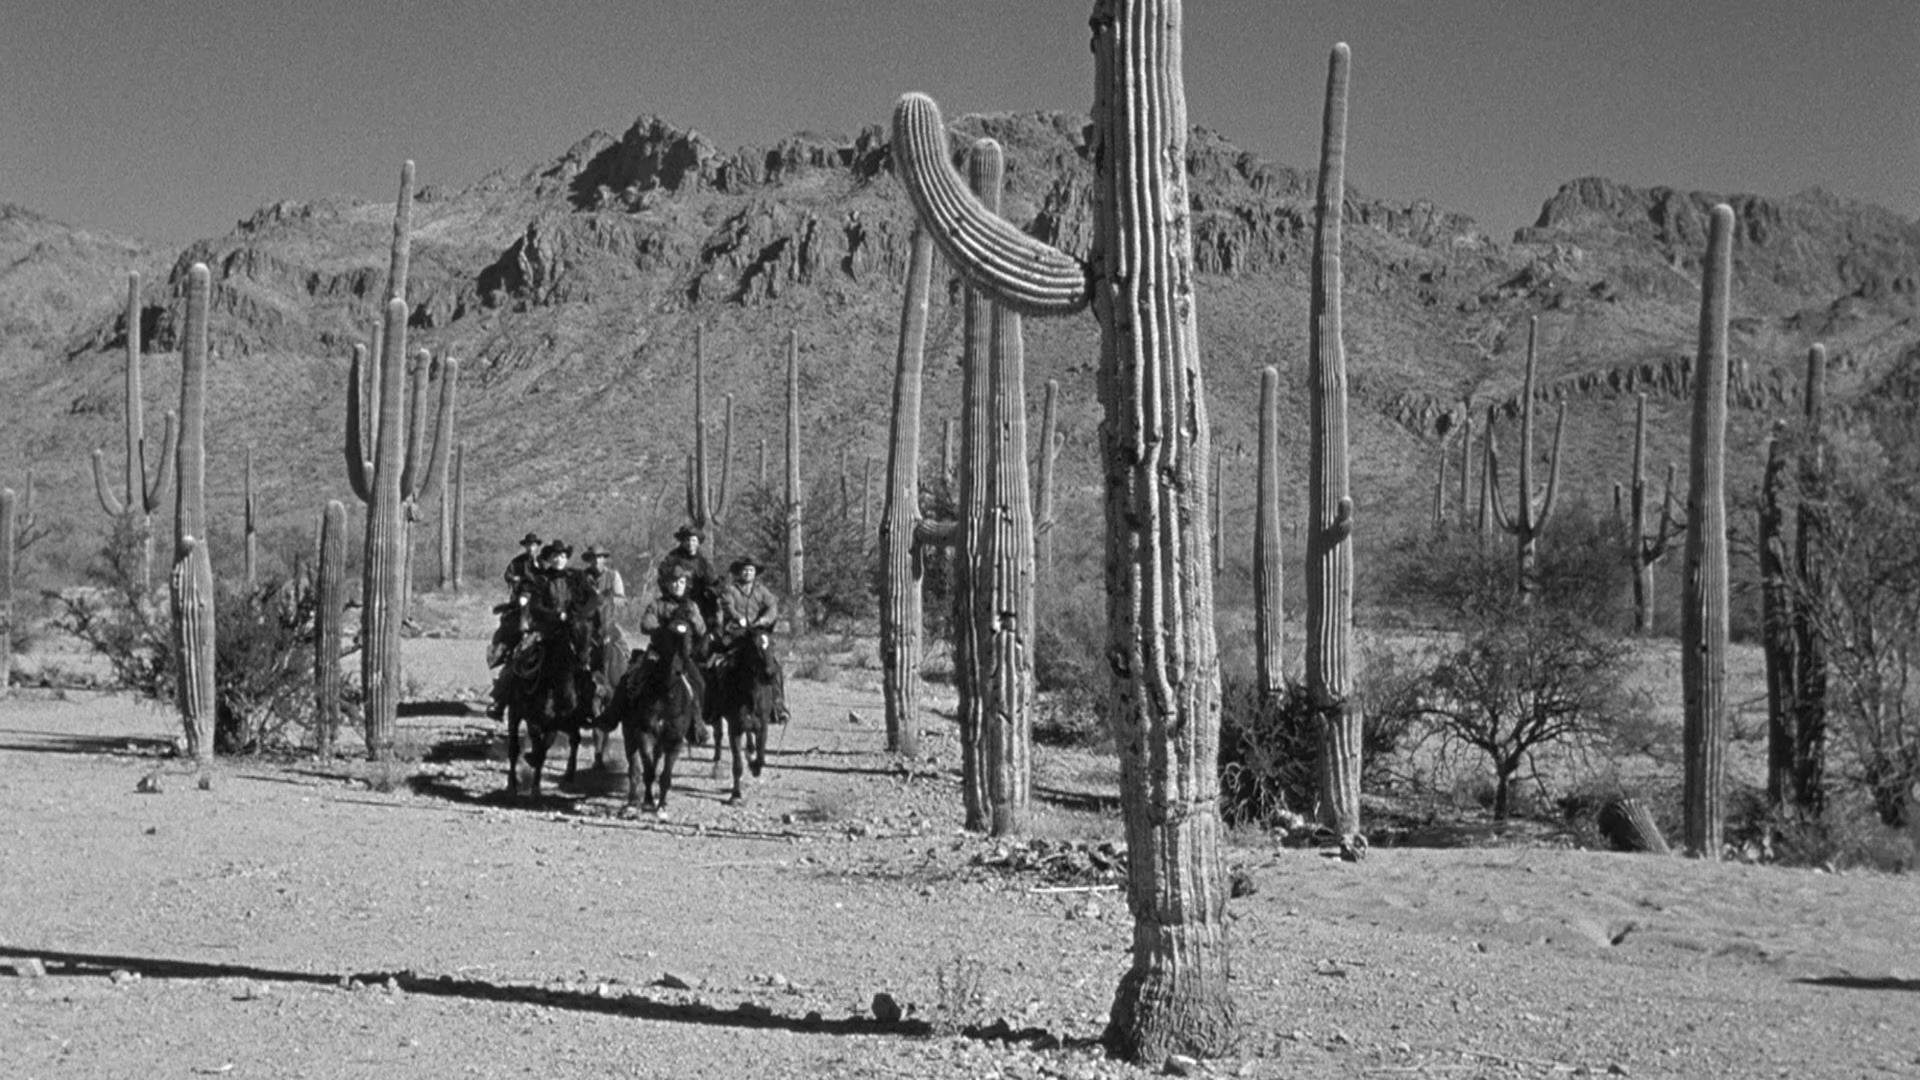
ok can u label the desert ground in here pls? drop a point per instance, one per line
(288, 917)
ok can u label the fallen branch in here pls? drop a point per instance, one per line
(1071, 888)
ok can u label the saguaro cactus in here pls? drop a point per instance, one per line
(6, 590)
(250, 517)
(329, 607)
(900, 613)
(1466, 463)
(394, 480)
(1531, 518)
(192, 577)
(706, 506)
(1330, 509)
(1810, 646)
(1006, 721)
(1646, 544)
(1703, 625)
(973, 613)
(1776, 634)
(796, 491)
(1269, 578)
(1165, 709)
(453, 524)
(138, 495)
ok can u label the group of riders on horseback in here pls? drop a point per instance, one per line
(551, 601)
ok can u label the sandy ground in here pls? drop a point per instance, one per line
(292, 919)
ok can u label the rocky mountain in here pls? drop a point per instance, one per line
(571, 291)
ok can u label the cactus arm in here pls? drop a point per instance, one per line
(436, 476)
(1553, 475)
(1500, 518)
(697, 503)
(418, 374)
(162, 483)
(108, 502)
(719, 508)
(693, 491)
(1030, 277)
(136, 479)
(359, 468)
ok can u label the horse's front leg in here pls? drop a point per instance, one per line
(573, 755)
(666, 776)
(722, 731)
(733, 744)
(513, 750)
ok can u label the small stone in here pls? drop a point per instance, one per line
(1181, 1065)
(121, 976)
(886, 1009)
(393, 985)
(206, 781)
(153, 830)
(29, 967)
(672, 982)
(853, 717)
(1616, 1069)
(777, 981)
(149, 784)
(786, 819)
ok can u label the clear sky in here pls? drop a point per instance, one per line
(171, 119)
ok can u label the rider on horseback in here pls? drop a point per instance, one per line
(703, 585)
(747, 606)
(553, 600)
(673, 611)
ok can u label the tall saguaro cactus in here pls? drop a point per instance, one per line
(900, 611)
(1810, 646)
(1703, 624)
(329, 608)
(251, 524)
(796, 491)
(1330, 506)
(1006, 720)
(973, 613)
(1165, 707)
(1646, 544)
(1776, 625)
(1530, 518)
(707, 506)
(1269, 577)
(192, 577)
(394, 480)
(6, 590)
(138, 495)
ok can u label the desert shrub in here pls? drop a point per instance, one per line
(263, 644)
(842, 559)
(1070, 671)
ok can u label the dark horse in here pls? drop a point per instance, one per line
(551, 695)
(656, 705)
(743, 695)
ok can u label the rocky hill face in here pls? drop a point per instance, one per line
(571, 292)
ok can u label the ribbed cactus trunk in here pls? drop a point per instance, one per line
(1648, 541)
(1776, 634)
(329, 609)
(1529, 519)
(449, 513)
(1269, 575)
(707, 505)
(1217, 501)
(1440, 489)
(900, 613)
(1483, 518)
(1703, 626)
(1810, 645)
(384, 577)
(973, 613)
(796, 493)
(1047, 459)
(138, 496)
(1165, 708)
(1006, 719)
(1330, 510)
(191, 579)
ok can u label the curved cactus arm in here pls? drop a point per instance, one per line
(359, 466)
(436, 477)
(1028, 276)
(1539, 521)
(162, 483)
(1500, 518)
(108, 501)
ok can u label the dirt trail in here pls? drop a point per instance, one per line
(292, 920)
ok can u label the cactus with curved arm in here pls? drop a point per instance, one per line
(796, 491)
(138, 494)
(1139, 280)
(706, 505)
(1703, 623)
(1810, 644)
(1269, 574)
(1647, 545)
(1530, 518)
